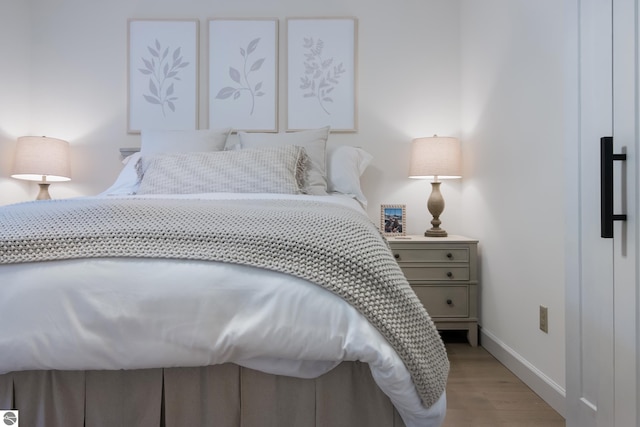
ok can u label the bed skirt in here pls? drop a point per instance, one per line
(221, 395)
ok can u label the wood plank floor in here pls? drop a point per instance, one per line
(481, 392)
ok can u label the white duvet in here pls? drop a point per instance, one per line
(121, 313)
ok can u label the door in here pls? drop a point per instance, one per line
(601, 278)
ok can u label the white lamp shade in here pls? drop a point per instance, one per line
(435, 158)
(40, 158)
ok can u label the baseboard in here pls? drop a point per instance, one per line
(541, 384)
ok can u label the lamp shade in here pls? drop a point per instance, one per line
(40, 158)
(435, 158)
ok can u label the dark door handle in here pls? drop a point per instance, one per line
(606, 187)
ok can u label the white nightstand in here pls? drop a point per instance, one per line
(443, 272)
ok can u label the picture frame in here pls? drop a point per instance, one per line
(393, 220)
(243, 74)
(162, 74)
(321, 73)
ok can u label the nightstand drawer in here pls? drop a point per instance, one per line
(444, 301)
(431, 255)
(420, 272)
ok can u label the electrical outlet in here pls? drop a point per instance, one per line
(544, 321)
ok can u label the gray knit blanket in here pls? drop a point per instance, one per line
(327, 244)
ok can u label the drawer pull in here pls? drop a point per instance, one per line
(449, 274)
(449, 255)
(449, 301)
(396, 256)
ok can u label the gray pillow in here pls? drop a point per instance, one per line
(314, 142)
(266, 170)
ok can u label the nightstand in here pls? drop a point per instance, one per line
(443, 272)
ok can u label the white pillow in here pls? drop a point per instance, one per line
(313, 141)
(127, 181)
(180, 141)
(265, 170)
(345, 166)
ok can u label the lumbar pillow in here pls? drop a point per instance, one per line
(314, 143)
(179, 141)
(266, 170)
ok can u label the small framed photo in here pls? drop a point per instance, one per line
(392, 220)
(163, 74)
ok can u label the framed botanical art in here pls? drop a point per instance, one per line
(243, 74)
(321, 73)
(392, 220)
(163, 74)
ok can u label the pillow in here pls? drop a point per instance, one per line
(345, 165)
(179, 141)
(314, 143)
(267, 170)
(127, 181)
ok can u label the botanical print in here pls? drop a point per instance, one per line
(242, 78)
(321, 73)
(162, 69)
(243, 65)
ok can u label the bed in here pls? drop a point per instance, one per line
(214, 285)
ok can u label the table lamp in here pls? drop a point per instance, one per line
(435, 158)
(43, 159)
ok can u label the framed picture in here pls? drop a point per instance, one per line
(243, 74)
(321, 73)
(392, 220)
(163, 74)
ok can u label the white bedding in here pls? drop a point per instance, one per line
(137, 313)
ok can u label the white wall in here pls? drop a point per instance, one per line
(512, 128)
(408, 83)
(15, 68)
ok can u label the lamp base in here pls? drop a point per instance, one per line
(435, 232)
(436, 206)
(44, 191)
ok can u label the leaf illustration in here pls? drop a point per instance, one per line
(147, 64)
(152, 100)
(242, 76)
(256, 65)
(234, 74)
(252, 46)
(162, 70)
(326, 98)
(327, 63)
(225, 92)
(152, 88)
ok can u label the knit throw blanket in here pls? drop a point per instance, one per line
(327, 244)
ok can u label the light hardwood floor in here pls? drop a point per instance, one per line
(481, 392)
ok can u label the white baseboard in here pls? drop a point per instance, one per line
(541, 384)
